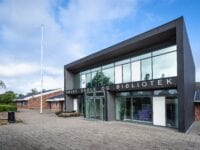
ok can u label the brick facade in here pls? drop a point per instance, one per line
(56, 106)
(197, 111)
(34, 102)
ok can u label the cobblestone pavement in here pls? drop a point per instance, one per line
(48, 132)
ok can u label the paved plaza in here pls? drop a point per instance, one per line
(49, 132)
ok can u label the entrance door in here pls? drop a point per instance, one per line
(91, 109)
(94, 108)
(172, 112)
(159, 111)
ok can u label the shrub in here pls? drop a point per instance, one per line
(8, 108)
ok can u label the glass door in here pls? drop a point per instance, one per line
(127, 115)
(172, 112)
(99, 108)
(94, 108)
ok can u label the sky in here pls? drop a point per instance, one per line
(76, 28)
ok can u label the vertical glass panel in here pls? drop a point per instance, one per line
(91, 109)
(142, 108)
(127, 115)
(146, 69)
(165, 65)
(99, 109)
(108, 76)
(83, 81)
(77, 81)
(118, 74)
(126, 73)
(98, 78)
(88, 80)
(94, 74)
(120, 108)
(87, 111)
(172, 112)
(135, 67)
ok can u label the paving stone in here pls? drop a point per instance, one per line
(48, 132)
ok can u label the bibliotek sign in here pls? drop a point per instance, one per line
(140, 85)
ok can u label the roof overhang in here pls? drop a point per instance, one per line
(148, 41)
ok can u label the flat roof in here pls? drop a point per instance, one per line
(158, 37)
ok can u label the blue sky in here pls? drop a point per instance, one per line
(76, 28)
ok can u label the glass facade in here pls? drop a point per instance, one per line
(131, 108)
(156, 64)
(138, 106)
(94, 105)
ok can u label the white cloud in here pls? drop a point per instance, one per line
(14, 70)
(71, 32)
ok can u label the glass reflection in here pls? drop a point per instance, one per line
(88, 80)
(135, 67)
(118, 74)
(146, 69)
(165, 65)
(109, 73)
(126, 73)
(83, 81)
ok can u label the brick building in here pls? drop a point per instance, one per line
(32, 101)
(197, 102)
(56, 103)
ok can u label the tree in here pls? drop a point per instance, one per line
(99, 80)
(34, 91)
(2, 85)
(7, 97)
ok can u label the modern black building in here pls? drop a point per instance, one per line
(149, 79)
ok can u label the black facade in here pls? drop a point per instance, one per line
(105, 96)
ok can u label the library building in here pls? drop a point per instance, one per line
(147, 79)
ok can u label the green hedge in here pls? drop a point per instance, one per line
(4, 107)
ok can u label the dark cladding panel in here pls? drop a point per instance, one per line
(186, 78)
(110, 106)
(189, 80)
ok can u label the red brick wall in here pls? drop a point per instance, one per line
(197, 111)
(34, 103)
(56, 106)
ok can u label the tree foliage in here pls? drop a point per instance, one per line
(7, 97)
(99, 80)
(2, 84)
(34, 91)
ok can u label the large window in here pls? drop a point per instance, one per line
(146, 69)
(142, 109)
(126, 73)
(88, 80)
(134, 108)
(109, 73)
(135, 68)
(161, 63)
(83, 81)
(165, 65)
(118, 74)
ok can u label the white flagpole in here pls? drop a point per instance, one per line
(41, 65)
